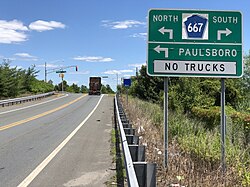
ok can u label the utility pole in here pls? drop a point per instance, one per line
(57, 70)
(62, 82)
(62, 76)
(45, 66)
(117, 82)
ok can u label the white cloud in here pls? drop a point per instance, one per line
(8, 59)
(15, 31)
(93, 59)
(126, 71)
(18, 67)
(80, 73)
(139, 35)
(71, 82)
(48, 66)
(12, 25)
(127, 75)
(113, 72)
(122, 24)
(41, 25)
(137, 65)
(12, 31)
(104, 82)
(26, 57)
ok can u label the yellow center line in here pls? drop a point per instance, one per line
(39, 115)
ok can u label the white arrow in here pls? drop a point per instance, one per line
(158, 49)
(170, 31)
(220, 32)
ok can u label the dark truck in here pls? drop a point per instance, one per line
(95, 86)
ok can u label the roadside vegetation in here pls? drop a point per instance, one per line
(15, 82)
(118, 163)
(194, 128)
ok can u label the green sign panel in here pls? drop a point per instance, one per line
(194, 43)
(61, 71)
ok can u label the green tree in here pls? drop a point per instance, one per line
(84, 89)
(109, 89)
(65, 86)
(106, 89)
(30, 77)
(14, 81)
(186, 93)
(9, 80)
(146, 87)
(246, 76)
(39, 86)
(73, 88)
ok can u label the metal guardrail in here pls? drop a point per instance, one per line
(132, 179)
(8, 102)
(139, 173)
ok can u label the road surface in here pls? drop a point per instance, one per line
(62, 141)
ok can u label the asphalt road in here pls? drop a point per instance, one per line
(63, 142)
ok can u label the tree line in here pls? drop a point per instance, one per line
(74, 88)
(200, 98)
(186, 93)
(16, 82)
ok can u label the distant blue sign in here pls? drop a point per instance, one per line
(195, 26)
(127, 82)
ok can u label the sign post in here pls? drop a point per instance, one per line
(195, 43)
(127, 83)
(165, 164)
(223, 126)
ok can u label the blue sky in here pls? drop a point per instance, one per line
(101, 37)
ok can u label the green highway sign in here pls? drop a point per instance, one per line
(60, 71)
(194, 43)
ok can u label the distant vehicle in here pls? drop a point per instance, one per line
(95, 86)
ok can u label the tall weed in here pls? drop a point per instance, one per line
(194, 151)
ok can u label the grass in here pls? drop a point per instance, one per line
(113, 148)
(119, 178)
(194, 152)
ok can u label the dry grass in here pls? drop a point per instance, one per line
(184, 168)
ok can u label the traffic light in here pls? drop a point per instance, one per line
(76, 68)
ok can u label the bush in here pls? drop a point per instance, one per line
(203, 146)
(211, 116)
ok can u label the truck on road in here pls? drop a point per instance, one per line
(95, 86)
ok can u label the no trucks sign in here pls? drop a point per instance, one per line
(194, 43)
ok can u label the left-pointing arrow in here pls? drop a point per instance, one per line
(170, 31)
(158, 49)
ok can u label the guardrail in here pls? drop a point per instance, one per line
(139, 172)
(9, 102)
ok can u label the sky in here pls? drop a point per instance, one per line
(106, 38)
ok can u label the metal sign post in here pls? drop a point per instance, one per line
(62, 84)
(165, 122)
(127, 95)
(223, 126)
(127, 84)
(62, 76)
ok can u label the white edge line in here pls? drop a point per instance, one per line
(46, 161)
(33, 105)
